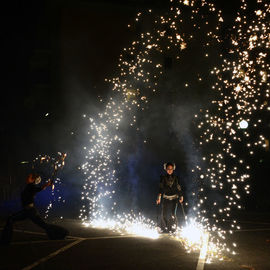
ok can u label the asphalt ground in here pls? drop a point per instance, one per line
(88, 248)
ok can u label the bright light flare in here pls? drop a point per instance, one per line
(193, 234)
(243, 124)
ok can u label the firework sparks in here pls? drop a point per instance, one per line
(241, 80)
(228, 125)
(52, 165)
(128, 224)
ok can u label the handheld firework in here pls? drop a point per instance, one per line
(55, 163)
(50, 166)
(59, 164)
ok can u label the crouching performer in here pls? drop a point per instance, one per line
(29, 210)
(170, 192)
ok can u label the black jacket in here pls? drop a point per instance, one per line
(169, 185)
(28, 194)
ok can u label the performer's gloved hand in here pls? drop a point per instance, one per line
(181, 199)
(49, 183)
(158, 199)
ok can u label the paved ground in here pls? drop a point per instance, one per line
(101, 249)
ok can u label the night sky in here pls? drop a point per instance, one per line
(55, 57)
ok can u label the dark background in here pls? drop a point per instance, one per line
(55, 56)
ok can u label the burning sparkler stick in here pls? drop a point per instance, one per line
(59, 164)
(54, 164)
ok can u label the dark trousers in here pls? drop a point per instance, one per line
(168, 215)
(29, 212)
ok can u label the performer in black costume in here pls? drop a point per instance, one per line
(170, 191)
(29, 211)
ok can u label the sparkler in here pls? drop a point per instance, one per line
(242, 87)
(52, 165)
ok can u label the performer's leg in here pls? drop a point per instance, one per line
(172, 221)
(169, 215)
(36, 218)
(8, 229)
(173, 215)
(164, 214)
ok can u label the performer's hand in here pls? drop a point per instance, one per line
(49, 183)
(158, 201)
(181, 199)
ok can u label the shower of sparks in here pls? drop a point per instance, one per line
(140, 67)
(231, 130)
(128, 224)
(51, 165)
(241, 83)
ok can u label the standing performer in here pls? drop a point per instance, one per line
(29, 210)
(171, 193)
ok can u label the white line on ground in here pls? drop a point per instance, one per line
(111, 237)
(44, 259)
(37, 233)
(203, 252)
(52, 254)
(82, 238)
(42, 233)
(76, 237)
(40, 241)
